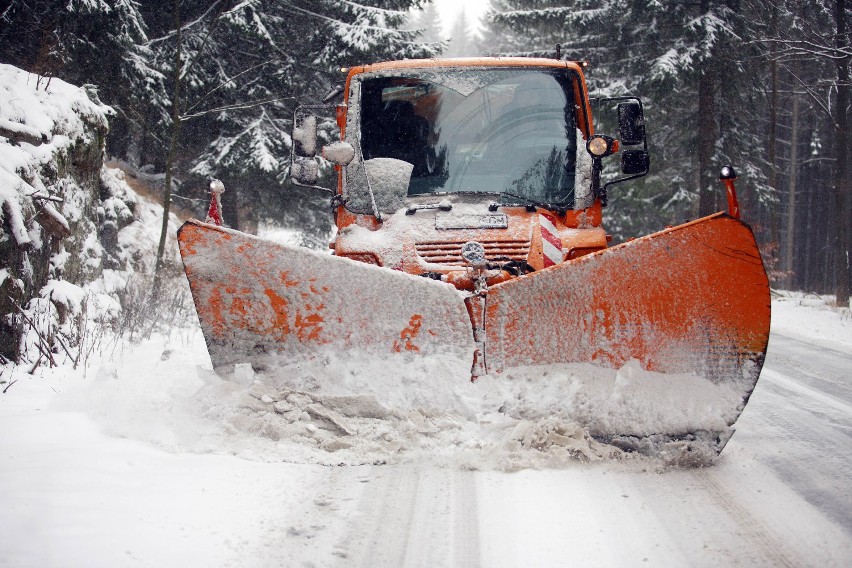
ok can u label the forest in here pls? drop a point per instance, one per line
(207, 89)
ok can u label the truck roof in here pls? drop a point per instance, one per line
(469, 62)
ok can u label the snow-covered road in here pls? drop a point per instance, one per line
(780, 495)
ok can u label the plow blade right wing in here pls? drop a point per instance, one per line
(691, 301)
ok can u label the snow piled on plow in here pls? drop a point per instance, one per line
(393, 410)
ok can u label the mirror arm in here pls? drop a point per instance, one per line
(628, 178)
(597, 168)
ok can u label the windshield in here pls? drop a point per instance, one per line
(476, 130)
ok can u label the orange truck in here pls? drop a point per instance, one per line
(468, 213)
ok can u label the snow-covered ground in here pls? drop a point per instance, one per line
(146, 458)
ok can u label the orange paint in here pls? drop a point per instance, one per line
(213, 311)
(308, 327)
(408, 335)
(281, 324)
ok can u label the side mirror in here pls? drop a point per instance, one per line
(304, 171)
(304, 168)
(635, 162)
(631, 123)
(304, 135)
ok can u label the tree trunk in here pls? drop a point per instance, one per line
(706, 143)
(790, 241)
(842, 183)
(175, 134)
(773, 129)
(706, 133)
(230, 205)
(773, 103)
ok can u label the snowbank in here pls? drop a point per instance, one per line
(812, 319)
(76, 241)
(51, 151)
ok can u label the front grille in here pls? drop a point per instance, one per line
(449, 252)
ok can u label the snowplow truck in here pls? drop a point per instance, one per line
(468, 225)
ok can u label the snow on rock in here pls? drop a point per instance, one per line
(51, 150)
(40, 121)
(138, 222)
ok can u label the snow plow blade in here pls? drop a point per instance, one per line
(269, 304)
(687, 309)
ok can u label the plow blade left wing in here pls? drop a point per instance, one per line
(267, 304)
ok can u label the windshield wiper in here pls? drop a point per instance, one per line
(443, 205)
(528, 202)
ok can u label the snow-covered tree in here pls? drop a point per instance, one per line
(680, 58)
(90, 41)
(253, 62)
(462, 41)
(428, 22)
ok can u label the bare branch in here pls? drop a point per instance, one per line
(236, 106)
(223, 83)
(187, 26)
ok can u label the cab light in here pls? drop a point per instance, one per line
(600, 145)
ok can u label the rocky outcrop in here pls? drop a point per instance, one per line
(51, 155)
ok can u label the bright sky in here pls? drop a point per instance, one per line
(451, 9)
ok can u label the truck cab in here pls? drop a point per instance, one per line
(453, 151)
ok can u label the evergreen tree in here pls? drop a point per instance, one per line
(261, 59)
(671, 54)
(498, 38)
(429, 24)
(90, 41)
(461, 39)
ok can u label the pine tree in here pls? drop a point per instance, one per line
(429, 24)
(497, 37)
(671, 54)
(90, 41)
(280, 54)
(461, 39)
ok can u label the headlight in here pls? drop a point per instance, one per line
(600, 146)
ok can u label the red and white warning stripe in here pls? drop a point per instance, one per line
(551, 244)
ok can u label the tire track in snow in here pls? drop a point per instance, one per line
(414, 516)
(465, 520)
(379, 535)
(752, 528)
(801, 415)
(799, 389)
(819, 368)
